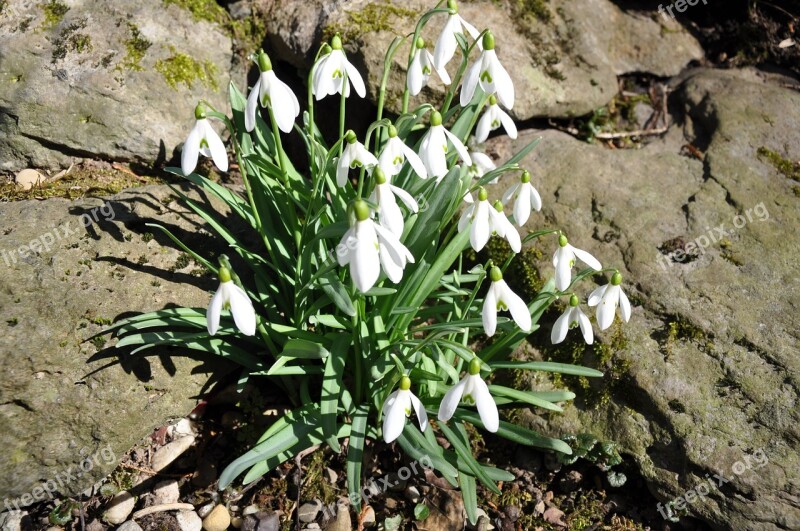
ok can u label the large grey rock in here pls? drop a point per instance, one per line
(114, 80)
(62, 405)
(705, 379)
(564, 62)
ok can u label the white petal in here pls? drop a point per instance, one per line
(624, 306)
(284, 104)
(355, 78)
(469, 84)
(508, 124)
(510, 193)
(451, 400)
(497, 222)
(390, 401)
(419, 409)
(462, 151)
(400, 252)
(489, 313)
(522, 207)
(587, 259)
(446, 44)
(607, 308)
(326, 84)
(519, 310)
(512, 236)
(484, 126)
(414, 160)
(466, 216)
(365, 264)
(536, 200)
(414, 79)
(406, 198)
(395, 419)
(191, 150)
(503, 85)
(472, 30)
(487, 409)
(441, 72)
(563, 268)
(214, 309)
(252, 106)
(217, 148)
(480, 232)
(597, 295)
(342, 168)
(561, 327)
(242, 310)
(586, 326)
(344, 251)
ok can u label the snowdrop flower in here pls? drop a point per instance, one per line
(203, 140)
(481, 163)
(269, 90)
(397, 407)
(446, 44)
(489, 74)
(471, 388)
(493, 117)
(230, 296)
(573, 316)
(419, 71)
(486, 220)
(564, 260)
(606, 298)
(367, 247)
(525, 198)
(355, 155)
(330, 71)
(433, 149)
(389, 213)
(500, 297)
(395, 153)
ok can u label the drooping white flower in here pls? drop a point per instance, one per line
(489, 74)
(446, 44)
(485, 220)
(525, 198)
(419, 71)
(606, 298)
(203, 140)
(564, 260)
(481, 163)
(572, 317)
(473, 389)
(493, 117)
(500, 297)
(367, 247)
(354, 155)
(395, 153)
(330, 71)
(384, 195)
(434, 148)
(230, 296)
(269, 90)
(397, 407)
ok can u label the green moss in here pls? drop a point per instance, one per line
(373, 17)
(135, 48)
(54, 12)
(99, 342)
(796, 191)
(680, 330)
(533, 10)
(71, 40)
(3, 4)
(315, 485)
(182, 261)
(208, 10)
(12, 322)
(181, 68)
(729, 254)
(788, 168)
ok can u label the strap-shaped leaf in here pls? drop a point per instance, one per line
(548, 366)
(355, 454)
(518, 434)
(522, 396)
(332, 388)
(461, 446)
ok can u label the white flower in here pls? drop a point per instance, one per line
(355, 155)
(367, 247)
(525, 197)
(231, 296)
(500, 297)
(389, 213)
(419, 71)
(203, 139)
(446, 44)
(564, 260)
(397, 407)
(573, 316)
(472, 388)
(486, 220)
(606, 298)
(493, 117)
(269, 90)
(329, 73)
(490, 75)
(433, 149)
(481, 163)
(395, 153)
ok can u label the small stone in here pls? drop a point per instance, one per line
(130, 525)
(368, 517)
(483, 524)
(12, 520)
(262, 521)
(342, 521)
(570, 481)
(183, 428)
(236, 522)
(29, 178)
(205, 509)
(119, 508)
(170, 452)
(554, 516)
(313, 526)
(308, 511)
(167, 492)
(331, 475)
(539, 507)
(412, 494)
(250, 509)
(218, 519)
(189, 521)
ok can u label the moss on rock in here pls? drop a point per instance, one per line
(788, 168)
(135, 46)
(373, 17)
(181, 68)
(54, 12)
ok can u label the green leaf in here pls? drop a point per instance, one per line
(334, 288)
(331, 388)
(518, 434)
(302, 349)
(421, 511)
(470, 494)
(355, 454)
(522, 396)
(461, 446)
(548, 366)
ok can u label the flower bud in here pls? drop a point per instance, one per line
(436, 118)
(264, 64)
(361, 208)
(405, 383)
(475, 366)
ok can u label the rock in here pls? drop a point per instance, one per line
(262, 521)
(331, 475)
(412, 494)
(554, 516)
(206, 509)
(168, 453)
(29, 178)
(308, 511)
(250, 509)
(130, 71)
(447, 512)
(189, 521)
(119, 508)
(564, 61)
(82, 273)
(167, 492)
(708, 366)
(570, 481)
(342, 521)
(218, 519)
(129, 526)
(236, 522)
(368, 516)
(12, 520)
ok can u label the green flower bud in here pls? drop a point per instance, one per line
(562, 240)
(325, 50)
(475, 366)
(526, 177)
(350, 137)
(361, 209)
(488, 41)
(495, 274)
(483, 195)
(380, 177)
(405, 383)
(498, 206)
(264, 64)
(616, 279)
(200, 112)
(492, 100)
(452, 5)
(420, 43)
(573, 300)
(436, 118)
(336, 42)
(224, 275)
(392, 131)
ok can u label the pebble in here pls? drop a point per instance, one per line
(331, 475)
(167, 492)
(12, 520)
(250, 509)
(130, 525)
(413, 495)
(205, 509)
(218, 519)
(119, 508)
(308, 511)
(189, 521)
(342, 521)
(236, 522)
(170, 452)
(368, 519)
(29, 178)
(313, 526)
